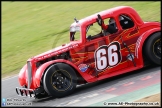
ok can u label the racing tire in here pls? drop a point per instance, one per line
(59, 80)
(152, 48)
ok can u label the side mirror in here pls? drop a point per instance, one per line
(89, 37)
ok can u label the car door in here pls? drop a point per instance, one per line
(130, 35)
(106, 53)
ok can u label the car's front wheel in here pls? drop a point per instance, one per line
(152, 48)
(59, 80)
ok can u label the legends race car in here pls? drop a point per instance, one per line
(105, 44)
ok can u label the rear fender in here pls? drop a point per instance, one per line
(140, 42)
(40, 71)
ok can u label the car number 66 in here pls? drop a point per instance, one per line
(107, 56)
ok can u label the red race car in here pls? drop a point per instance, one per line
(106, 44)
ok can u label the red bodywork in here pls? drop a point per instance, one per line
(83, 53)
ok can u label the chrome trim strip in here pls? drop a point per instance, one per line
(29, 74)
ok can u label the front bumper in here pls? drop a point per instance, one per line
(25, 92)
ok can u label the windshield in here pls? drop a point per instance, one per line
(75, 33)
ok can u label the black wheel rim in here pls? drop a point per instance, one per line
(60, 81)
(157, 48)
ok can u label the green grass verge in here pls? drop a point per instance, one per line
(30, 28)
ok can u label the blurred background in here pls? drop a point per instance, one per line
(31, 28)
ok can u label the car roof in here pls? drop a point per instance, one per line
(111, 12)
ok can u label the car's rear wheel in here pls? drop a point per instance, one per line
(152, 48)
(59, 80)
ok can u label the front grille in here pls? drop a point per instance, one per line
(29, 74)
(25, 92)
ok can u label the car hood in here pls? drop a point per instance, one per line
(56, 51)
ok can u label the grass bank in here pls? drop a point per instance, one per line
(30, 28)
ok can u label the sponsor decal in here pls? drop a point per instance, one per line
(54, 53)
(83, 67)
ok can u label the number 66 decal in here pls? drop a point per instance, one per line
(107, 56)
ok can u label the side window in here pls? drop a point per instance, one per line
(125, 21)
(93, 31)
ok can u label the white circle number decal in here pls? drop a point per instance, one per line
(107, 56)
(101, 59)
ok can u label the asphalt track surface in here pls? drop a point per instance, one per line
(92, 94)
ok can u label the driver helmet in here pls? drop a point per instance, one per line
(111, 21)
